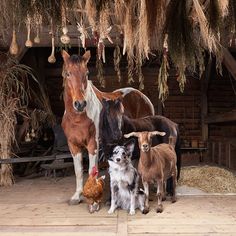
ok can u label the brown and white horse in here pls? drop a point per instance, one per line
(82, 112)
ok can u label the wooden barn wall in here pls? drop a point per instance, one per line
(183, 108)
(222, 136)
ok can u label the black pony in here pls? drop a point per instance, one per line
(114, 124)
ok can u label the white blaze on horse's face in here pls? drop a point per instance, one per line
(75, 73)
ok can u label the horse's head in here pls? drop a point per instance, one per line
(75, 74)
(112, 113)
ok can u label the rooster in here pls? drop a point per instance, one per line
(93, 190)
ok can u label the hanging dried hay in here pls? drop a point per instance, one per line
(142, 44)
(8, 109)
(209, 179)
(130, 69)
(90, 8)
(117, 59)
(162, 78)
(100, 72)
(14, 95)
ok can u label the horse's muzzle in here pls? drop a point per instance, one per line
(79, 106)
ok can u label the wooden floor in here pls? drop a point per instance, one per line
(39, 207)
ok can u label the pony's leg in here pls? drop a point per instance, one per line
(93, 154)
(78, 167)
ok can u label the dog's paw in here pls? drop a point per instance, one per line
(111, 211)
(132, 212)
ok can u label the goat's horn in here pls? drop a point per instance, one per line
(131, 134)
(158, 133)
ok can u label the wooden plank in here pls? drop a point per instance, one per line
(80, 232)
(224, 117)
(33, 159)
(213, 152)
(183, 229)
(122, 226)
(219, 153)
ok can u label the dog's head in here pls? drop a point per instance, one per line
(121, 155)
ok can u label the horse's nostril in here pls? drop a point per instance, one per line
(77, 105)
(84, 103)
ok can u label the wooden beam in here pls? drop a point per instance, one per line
(229, 62)
(34, 159)
(219, 118)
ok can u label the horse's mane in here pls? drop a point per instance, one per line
(76, 59)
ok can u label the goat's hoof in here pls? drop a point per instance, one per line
(72, 202)
(145, 211)
(159, 209)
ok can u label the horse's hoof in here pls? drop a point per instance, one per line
(159, 209)
(173, 199)
(72, 202)
(163, 198)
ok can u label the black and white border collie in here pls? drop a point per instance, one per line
(124, 180)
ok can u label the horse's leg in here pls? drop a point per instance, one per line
(78, 167)
(93, 154)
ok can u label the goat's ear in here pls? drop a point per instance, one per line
(134, 134)
(157, 133)
(130, 146)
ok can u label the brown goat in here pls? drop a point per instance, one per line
(156, 165)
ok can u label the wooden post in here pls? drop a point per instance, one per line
(219, 153)
(204, 102)
(213, 152)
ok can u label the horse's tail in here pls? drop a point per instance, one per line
(178, 152)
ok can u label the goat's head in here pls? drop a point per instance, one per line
(144, 138)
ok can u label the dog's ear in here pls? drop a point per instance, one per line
(130, 146)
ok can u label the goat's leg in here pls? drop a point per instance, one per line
(114, 189)
(146, 191)
(140, 203)
(159, 195)
(164, 191)
(174, 177)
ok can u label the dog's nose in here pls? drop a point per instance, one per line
(118, 159)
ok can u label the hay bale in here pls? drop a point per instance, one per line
(210, 179)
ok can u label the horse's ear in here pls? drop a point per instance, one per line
(86, 56)
(65, 55)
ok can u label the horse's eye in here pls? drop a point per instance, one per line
(67, 74)
(87, 73)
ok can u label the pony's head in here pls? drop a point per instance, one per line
(111, 118)
(75, 74)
